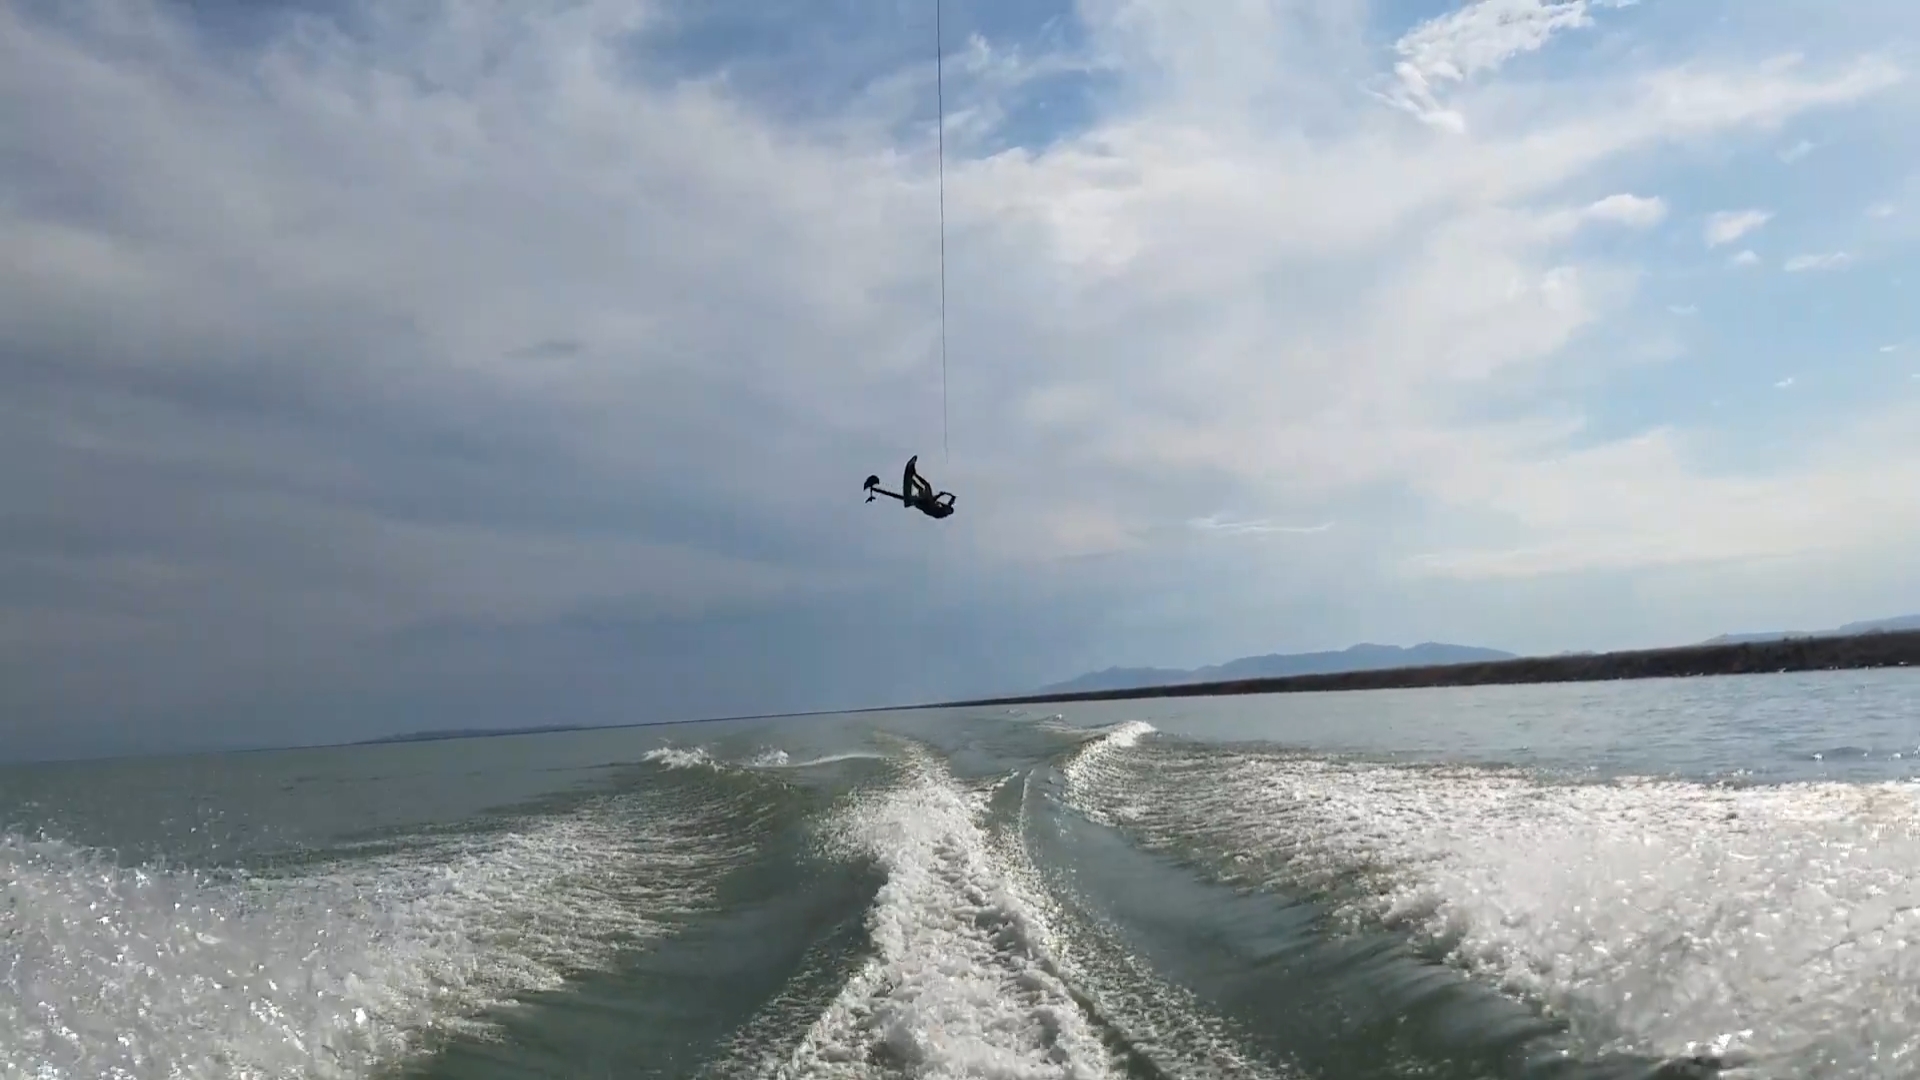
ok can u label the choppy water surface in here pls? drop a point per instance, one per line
(1689, 877)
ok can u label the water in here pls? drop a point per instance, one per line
(1671, 878)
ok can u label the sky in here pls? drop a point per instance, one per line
(370, 367)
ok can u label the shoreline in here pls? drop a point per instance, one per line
(1870, 650)
(1874, 649)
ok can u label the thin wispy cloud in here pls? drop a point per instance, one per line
(1832, 260)
(1747, 257)
(1683, 309)
(1633, 211)
(1726, 226)
(1476, 40)
(1797, 151)
(1218, 525)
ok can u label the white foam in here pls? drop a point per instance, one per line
(1664, 917)
(961, 984)
(1092, 758)
(1164, 1022)
(828, 759)
(674, 757)
(1058, 724)
(767, 757)
(1127, 734)
(107, 971)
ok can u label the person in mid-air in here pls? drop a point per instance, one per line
(914, 492)
(919, 494)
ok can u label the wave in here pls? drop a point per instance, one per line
(778, 759)
(1778, 924)
(699, 757)
(676, 757)
(334, 970)
(1094, 758)
(1094, 902)
(979, 962)
(960, 983)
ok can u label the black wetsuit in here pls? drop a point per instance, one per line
(915, 492)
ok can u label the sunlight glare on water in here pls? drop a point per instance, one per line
(1462, 884)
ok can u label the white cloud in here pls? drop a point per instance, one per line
(1881, 210)
(1476, 39)
(1683, 309)
(1214, 523)
(454, 318)
(1797, 151)
(1828, 261)
(1629, 210)
(1783, 383)
(1643, 502)
(1744, 258)
(1729, 225)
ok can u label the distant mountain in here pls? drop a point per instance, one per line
(1355, 658)
(1871, 626)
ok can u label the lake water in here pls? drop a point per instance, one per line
(1577, 880)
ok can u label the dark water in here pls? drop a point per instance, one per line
(1554, 881)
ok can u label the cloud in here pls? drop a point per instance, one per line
(1630, 210)
(472, 359)
(1476, 39)
(1625, 210)
(1829, 261)
(1744, 258)
(1726, 226)
(1797, 151)
(1214, 524)
(1646, 501)
(1683, 309)
(1783, 383)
